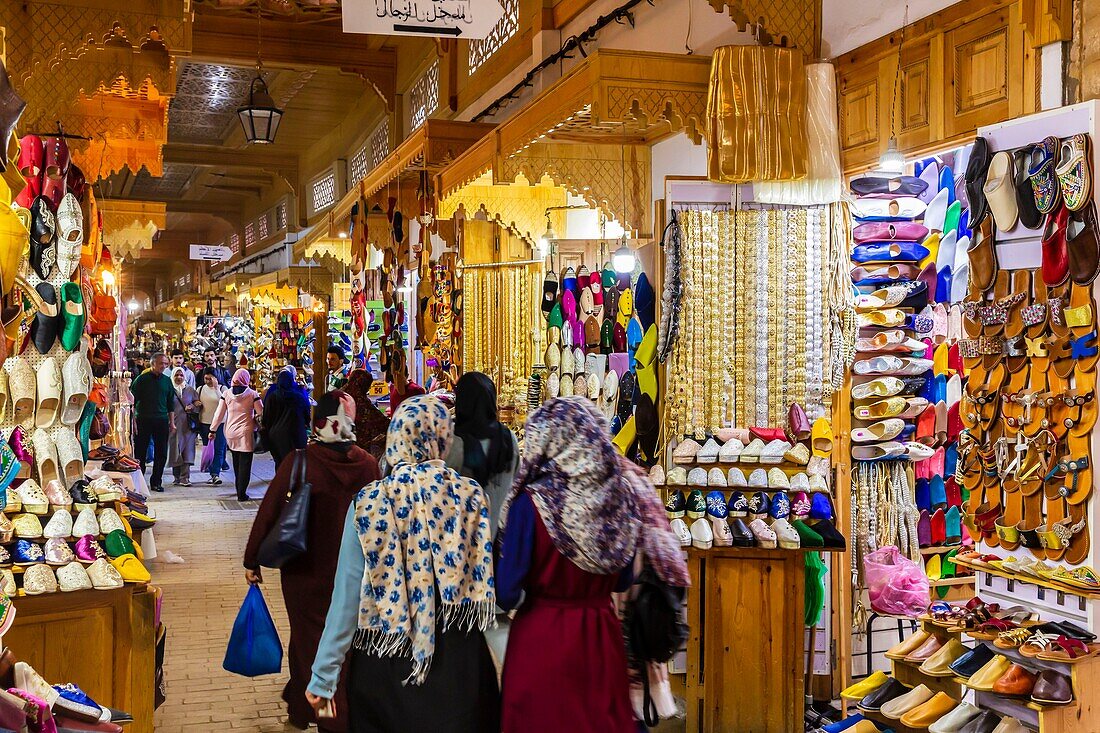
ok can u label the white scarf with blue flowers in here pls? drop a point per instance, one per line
(423, 529)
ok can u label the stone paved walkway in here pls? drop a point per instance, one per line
(207, 528)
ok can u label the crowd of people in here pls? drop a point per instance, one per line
(441, 562)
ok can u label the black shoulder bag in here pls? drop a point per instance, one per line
(287, 539)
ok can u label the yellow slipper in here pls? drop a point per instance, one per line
(131, 569)
(626, 437)
(626, 308)
(821, 437)
(932, 243)
(939, 360)
(934, 568)
(646, 353)
(865, 686)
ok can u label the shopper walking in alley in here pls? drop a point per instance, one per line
(484, 449)
(336, 468)
(186, 409)
(566, 542)
(239, 411)
(210, 396)
(286, 416)
(179, 362)
(371, 423)
(418, 542)
(154, 399)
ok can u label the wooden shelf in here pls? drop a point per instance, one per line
(939, 549)
(948, 582)
(1070, 590)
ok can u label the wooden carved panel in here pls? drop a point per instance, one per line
(978, 63)
(969, 65)
(860, 101)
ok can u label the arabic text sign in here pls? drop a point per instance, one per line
(210, 252)
(459, 18)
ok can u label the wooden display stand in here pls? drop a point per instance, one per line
(1083, 714)
(746, 665)
(103, 641)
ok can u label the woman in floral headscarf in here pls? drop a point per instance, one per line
(335, 468)
(414, 593)
(569, 530)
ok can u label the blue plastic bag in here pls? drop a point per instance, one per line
(254, 647)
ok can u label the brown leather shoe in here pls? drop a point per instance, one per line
(925, 650)
(1016, 682)
(1083, 243)
(1052, 689)
(925, 715)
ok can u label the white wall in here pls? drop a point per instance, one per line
(848, 24)
(676, 156)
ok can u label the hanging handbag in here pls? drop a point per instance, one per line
(287, 539)
(193, 423)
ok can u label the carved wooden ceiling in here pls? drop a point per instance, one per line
(302, 9)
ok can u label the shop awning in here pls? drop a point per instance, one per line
(589, 133)
(280, 289)
(429, 149)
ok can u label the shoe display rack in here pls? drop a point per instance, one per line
(939, 667)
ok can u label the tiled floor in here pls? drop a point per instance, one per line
(206, 527)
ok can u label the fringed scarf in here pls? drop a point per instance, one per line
(422, 528)
(578, 484)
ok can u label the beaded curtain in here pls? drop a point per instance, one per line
(752, 338)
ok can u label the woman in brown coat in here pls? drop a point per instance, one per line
(336, 468)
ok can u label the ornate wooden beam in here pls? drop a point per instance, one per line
(235, 41)
(246, 159)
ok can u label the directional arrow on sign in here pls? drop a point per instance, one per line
(452, 18)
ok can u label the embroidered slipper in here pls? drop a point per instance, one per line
(1025, 196)
(1044, 183)
(1074, 171)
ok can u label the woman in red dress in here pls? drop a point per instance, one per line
(568, 534)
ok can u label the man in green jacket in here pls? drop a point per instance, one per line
(154, 398)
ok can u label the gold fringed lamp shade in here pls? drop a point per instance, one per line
(756, 127)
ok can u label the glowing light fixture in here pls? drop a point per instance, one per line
(623, 260)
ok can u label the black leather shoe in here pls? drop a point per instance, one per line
(742, 535)
(82, 497)
(43, 233)
(884, 694)
(43, 327)
(1065, 628)
(976, 171)
(972, 661)
(829, 533)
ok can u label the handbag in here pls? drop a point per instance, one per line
(193, 423)
(287, 539)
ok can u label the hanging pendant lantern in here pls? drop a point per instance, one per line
(260, 118)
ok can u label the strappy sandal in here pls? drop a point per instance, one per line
(1069, 651)
(1082, 578)
(1013, 639)
(1039, 643)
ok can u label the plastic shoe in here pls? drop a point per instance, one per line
(676, 505)
(104, 576)
(86, 524)
(702, 538)
(680, 529)
(39, 579)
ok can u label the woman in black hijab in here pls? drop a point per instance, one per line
(484, 449)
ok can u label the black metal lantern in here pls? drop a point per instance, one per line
(260, 117)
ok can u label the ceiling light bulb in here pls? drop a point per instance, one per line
(133, 306)
(891, 160)
(108, 278)
(623, 260)
(343, 235)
